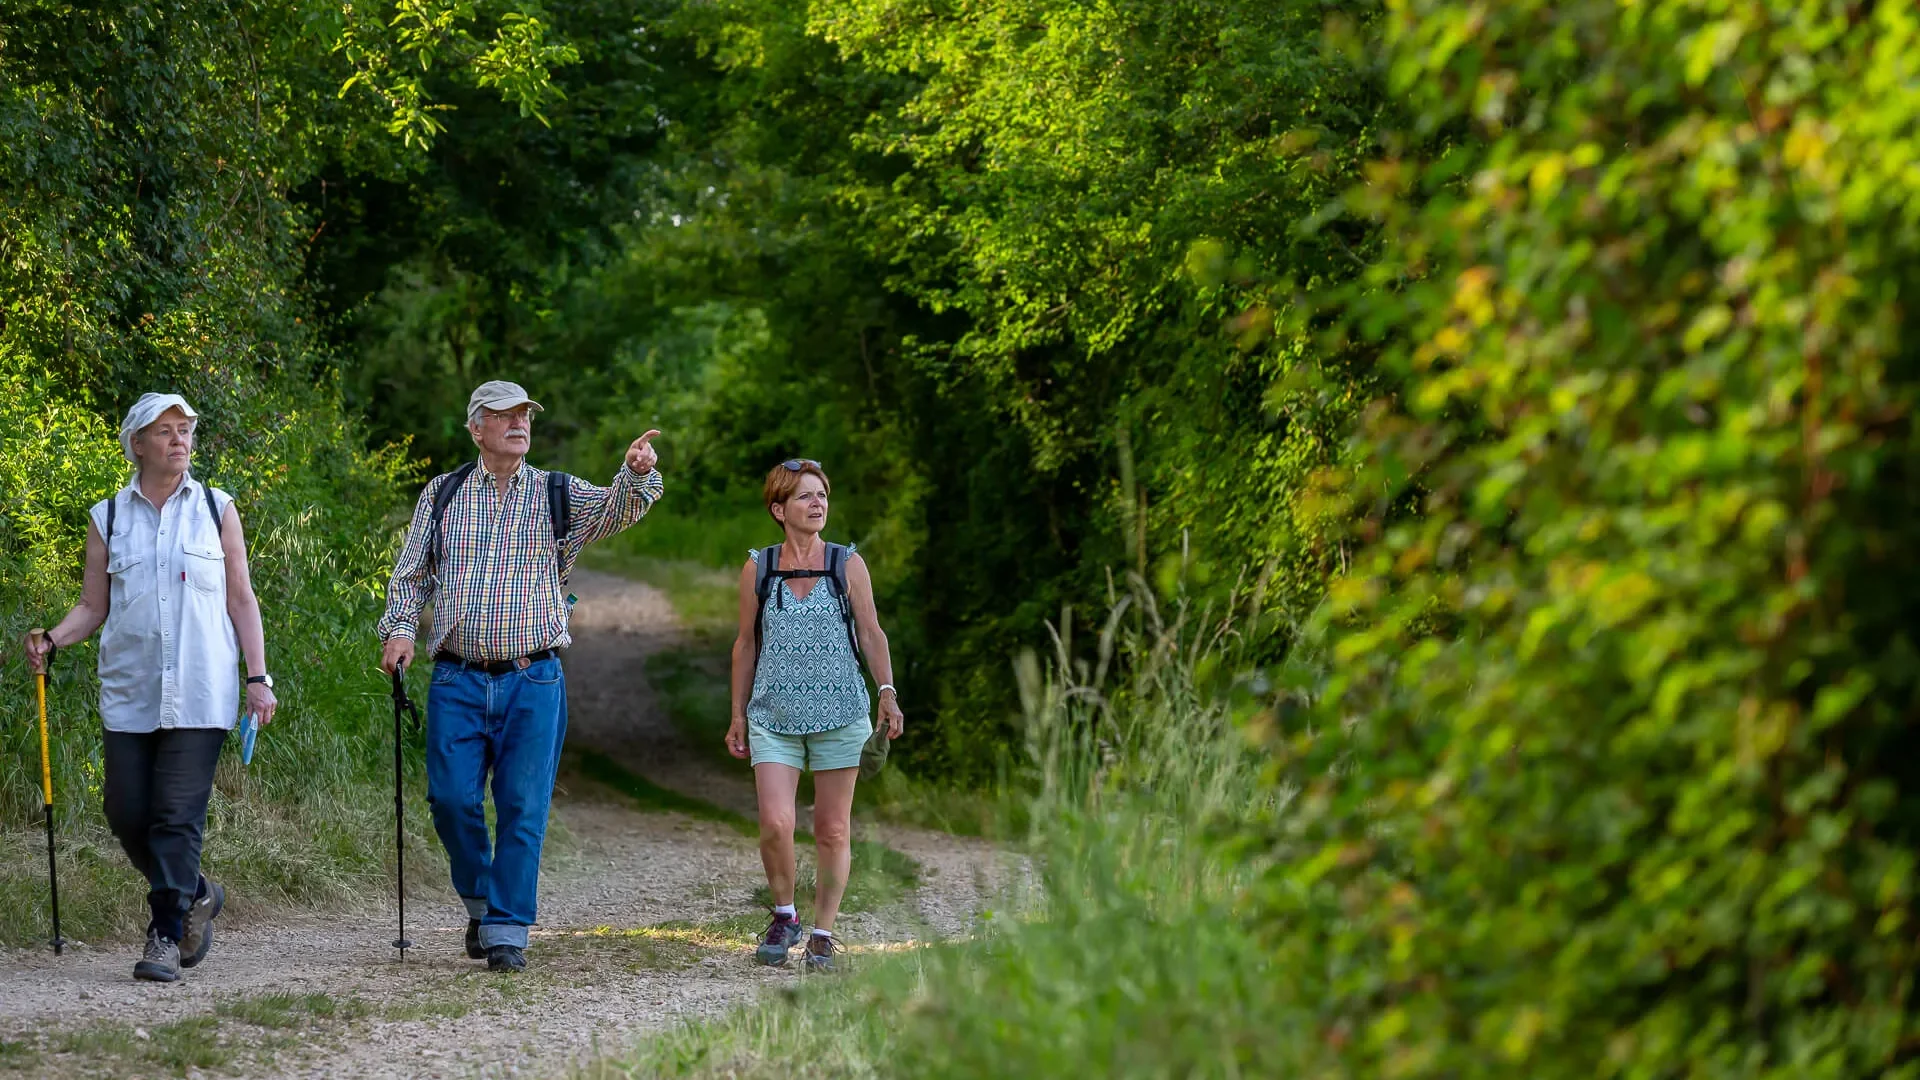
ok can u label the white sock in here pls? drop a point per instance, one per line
(817, 932)
(785, 911)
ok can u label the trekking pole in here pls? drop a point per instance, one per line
(46, 784)
(400, 704)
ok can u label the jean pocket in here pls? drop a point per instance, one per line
(544, 673)
(444, 673)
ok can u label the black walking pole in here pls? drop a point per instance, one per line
(46, 785)
(400, 704)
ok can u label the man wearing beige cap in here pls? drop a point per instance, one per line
(491, 545)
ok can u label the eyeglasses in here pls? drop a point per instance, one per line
(799, 463)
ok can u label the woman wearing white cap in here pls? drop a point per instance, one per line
(166, 573)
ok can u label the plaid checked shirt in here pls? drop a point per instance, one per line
(499, 569)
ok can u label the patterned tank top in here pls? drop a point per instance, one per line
(809, 679)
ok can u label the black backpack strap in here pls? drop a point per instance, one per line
(560, 513)
(837, 556)
(769, 565)
(213, 509)
(560, 504)
(449, 486)
(113, 503)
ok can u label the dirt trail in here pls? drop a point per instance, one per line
(307, 997)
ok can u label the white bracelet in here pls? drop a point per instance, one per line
(886, 686)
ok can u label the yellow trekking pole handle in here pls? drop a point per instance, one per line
(40, 685)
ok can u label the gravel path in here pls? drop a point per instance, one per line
(295, 996)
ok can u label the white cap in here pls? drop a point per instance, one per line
(146, 411)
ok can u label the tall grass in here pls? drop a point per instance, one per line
(1126, 955)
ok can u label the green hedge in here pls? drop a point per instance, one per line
(1628, 787)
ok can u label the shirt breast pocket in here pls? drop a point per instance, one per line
(534, 540)
(206, 568)
(128, 578)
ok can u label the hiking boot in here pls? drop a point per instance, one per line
(198, 936)
(506, 958)
(161, 961)
(475, 950)
(820, 950)
(783, 933)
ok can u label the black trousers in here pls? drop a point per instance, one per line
(157, 787)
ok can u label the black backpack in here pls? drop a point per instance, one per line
(559, 510)
(113, 504)
(836, 579)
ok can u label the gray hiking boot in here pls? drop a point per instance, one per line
(820, 950)
(198, 936)
(506, 958)
(161, 961)
(783, 933)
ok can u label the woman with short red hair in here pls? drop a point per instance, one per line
(800, 700)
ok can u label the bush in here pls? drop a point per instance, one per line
(1630, 702)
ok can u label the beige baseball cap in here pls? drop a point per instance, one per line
(499, 395)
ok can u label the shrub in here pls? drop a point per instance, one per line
(1631, 699)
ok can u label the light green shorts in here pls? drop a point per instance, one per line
(838, 748)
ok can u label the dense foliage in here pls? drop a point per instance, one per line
(1539, 370)
(1632, 698)
(1024, 306)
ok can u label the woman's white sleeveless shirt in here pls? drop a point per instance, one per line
(169, 657)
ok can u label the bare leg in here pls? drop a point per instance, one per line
(832, 821)
(776, 785)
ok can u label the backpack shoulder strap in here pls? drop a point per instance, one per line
(560, 514)
(449, 486)
(213, 509)
(106, 540)
(769, 565)
(837, 569)
(837, 556)
(560, 504)
(113, 504)
(769, 559)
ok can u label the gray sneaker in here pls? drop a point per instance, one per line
(198, 936)
(161, 961)
(820, 950)
(783, 933)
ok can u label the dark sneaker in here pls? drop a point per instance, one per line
(198, 937)
(506, 958)
(475, 951)
(820, 950)
(783, 933)
(161, 961)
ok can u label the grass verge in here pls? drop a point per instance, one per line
(1130, 957)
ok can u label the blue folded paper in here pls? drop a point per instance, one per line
(249, 727)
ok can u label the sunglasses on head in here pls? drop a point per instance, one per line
(796, 464)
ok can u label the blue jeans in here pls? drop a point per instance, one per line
(512, 724)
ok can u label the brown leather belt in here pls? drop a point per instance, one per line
(495, 667)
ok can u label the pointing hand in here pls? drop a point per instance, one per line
(641, 456)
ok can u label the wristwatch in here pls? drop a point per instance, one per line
(266, 679)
